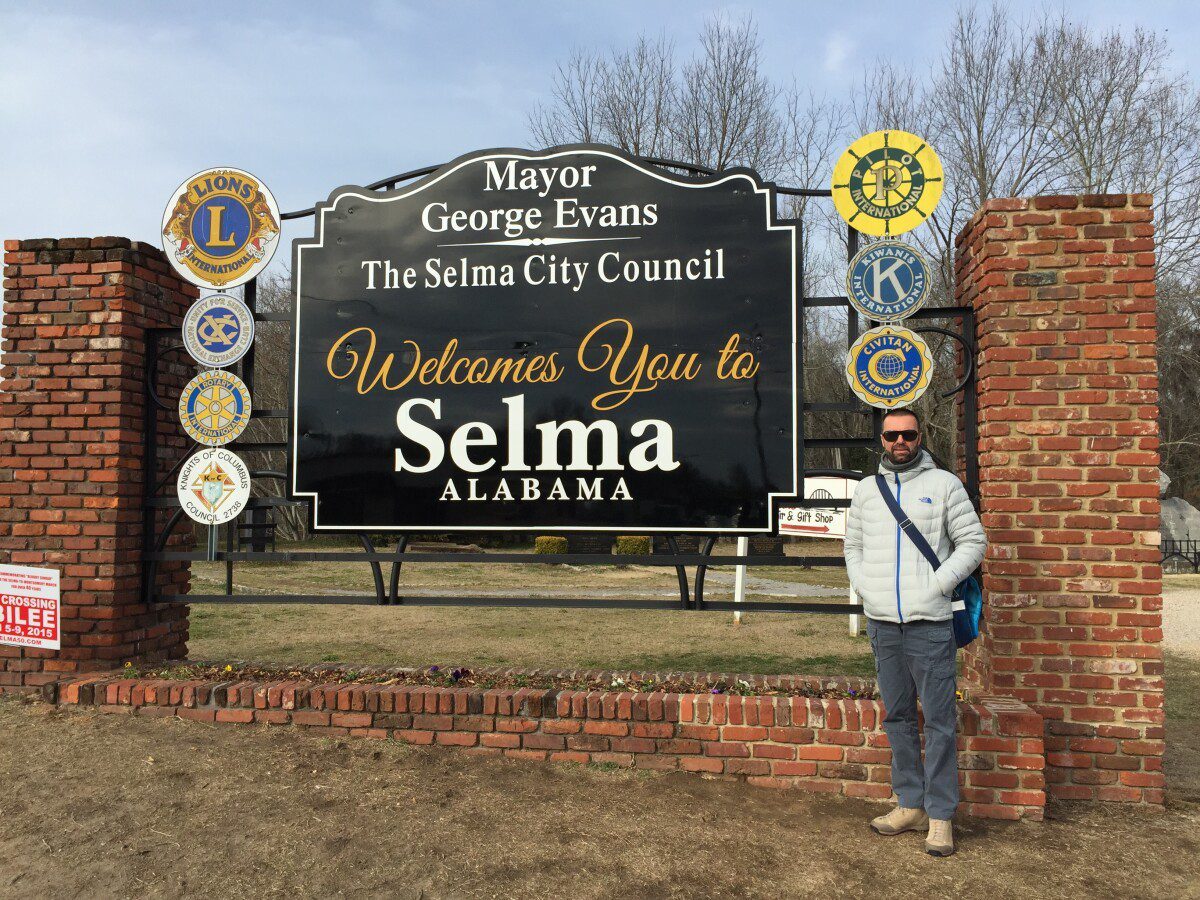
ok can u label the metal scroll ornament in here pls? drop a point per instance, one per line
(887, 183)
(889, 366)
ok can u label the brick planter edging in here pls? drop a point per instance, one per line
(811, 744)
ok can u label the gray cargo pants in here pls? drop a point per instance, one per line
(917, 659)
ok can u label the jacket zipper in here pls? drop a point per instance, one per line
(898, 530)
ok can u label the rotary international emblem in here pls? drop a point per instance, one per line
(887, 183)
(889, 366)
(218, 330)
(214, 408)
(887, 281)
(213, 486)
(220, 228)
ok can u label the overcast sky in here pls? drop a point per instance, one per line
(106, 107)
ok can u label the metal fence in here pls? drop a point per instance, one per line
(955, 323)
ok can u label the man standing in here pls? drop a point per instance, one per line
(909, 620)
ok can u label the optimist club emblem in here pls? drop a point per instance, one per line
(214, 408)
(218, 330)
(220, 228)
(213, 486)
(889, 366)
(887, 183)
(887, 281)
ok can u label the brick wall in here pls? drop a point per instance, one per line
(1063, 289)
(72, 413)
(809, 744)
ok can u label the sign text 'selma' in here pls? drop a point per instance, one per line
(570, 339)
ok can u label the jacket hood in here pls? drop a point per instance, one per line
(924, 464)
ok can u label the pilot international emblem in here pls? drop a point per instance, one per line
(889, 366)
(887, 183)
(213, 486)
(220, 228)
(214, 407)
(887, 281)
(218, 330)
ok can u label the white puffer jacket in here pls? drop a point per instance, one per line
(937, 502)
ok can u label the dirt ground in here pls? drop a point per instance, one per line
(114, 806)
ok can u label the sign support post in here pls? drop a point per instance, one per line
(739, 578)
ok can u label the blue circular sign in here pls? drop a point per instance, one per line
(887, 281)
(889, 366)
(218, 330)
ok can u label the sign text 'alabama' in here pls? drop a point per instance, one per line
(570, 339)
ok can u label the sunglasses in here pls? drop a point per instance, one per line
(909, 434)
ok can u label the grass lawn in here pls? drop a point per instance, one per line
(637, 640)
(649, 640)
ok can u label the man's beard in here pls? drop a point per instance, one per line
(891, 457)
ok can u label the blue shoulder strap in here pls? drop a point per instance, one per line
(909, 528)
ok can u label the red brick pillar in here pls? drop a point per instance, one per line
(1063, 289)
(72, 419)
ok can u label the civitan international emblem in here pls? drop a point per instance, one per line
(887, 281)
(887, 183)
(213, 486)
(220, 228)
(218, 330)
(889, 366)
(215, 407)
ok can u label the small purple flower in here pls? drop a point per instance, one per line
(434, 669)
(715, 690)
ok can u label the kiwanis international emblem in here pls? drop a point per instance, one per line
(220, 228)
(887, 183)
(218, 330)
(214, 408)
(889, 366)
(213, 486)
(887, 281)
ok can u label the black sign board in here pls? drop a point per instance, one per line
(565, 340)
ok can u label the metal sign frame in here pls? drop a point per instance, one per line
(956, 323)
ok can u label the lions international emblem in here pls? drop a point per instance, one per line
(889, 366)
(218, 330)
(215, 408)
(220, 228)
(213, 486)
(887, 281)
(887, 183)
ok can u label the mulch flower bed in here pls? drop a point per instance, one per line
(514, 679)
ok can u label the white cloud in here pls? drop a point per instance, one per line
(839, 49)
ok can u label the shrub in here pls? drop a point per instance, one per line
(632, 544)
(549, 544)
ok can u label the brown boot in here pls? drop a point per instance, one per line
(899, 820)
(940, 841)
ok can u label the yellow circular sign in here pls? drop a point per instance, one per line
(215, 408)
(889, 366)
(887, 183)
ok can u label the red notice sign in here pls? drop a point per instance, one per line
(29, 607)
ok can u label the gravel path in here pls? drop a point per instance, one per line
(1181, 620)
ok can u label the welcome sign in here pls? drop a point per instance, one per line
(569, 339)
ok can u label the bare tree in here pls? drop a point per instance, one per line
(727, 113)
(575, 115)
(988, 105)
(637, 98)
